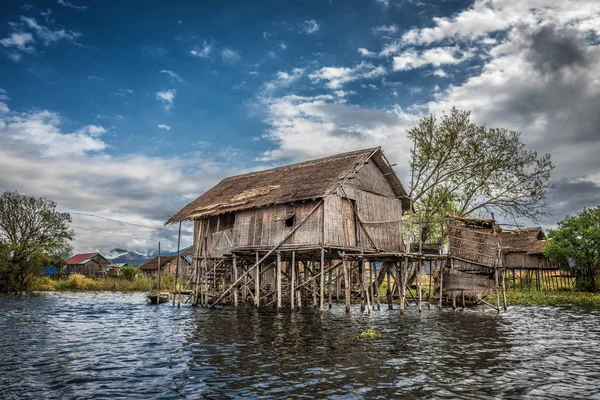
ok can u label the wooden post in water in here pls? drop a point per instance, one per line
(322, 280)
(329, 288)
(257, 284)
(367, 289)
(300, 281)
(374, 268)
(278, 280)
(346, 283)
(402, 282)
(177, 269)
(388, 292)
(235, 278)
(441, 265)
(361, 276)
(293, 281)
(158, 270)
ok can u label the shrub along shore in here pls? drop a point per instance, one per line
(78, 282)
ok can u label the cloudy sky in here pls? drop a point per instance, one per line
(130, 112)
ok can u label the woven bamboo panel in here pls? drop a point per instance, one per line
(473, 245)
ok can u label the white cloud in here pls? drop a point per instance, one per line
(203, 52)
(65, 3)
(490, 16)
(282, 80)
(230, 56)
(95, 130)
(365, 52)
(385, 30)
(19, 40)
(282, 46)
(337, 76)
(48, 35)
(384, 3)
(440, 72)
(164, 126)
(411, 59)
(40, 130)
(120, 92)
(310, 26)
(167, 97)
(172, 74)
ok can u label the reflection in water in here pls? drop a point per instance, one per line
(87, 345)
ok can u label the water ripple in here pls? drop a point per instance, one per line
(106, 346)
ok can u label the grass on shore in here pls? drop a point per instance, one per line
(80, 282)
(553, 298)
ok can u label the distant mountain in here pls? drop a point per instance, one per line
(122, 256)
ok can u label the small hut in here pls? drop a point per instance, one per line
(88, 264)
(523, 248)
(168, 264)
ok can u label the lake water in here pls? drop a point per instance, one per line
(107, 345)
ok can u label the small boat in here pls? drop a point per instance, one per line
(157, 298)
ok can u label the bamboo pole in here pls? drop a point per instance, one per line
(329, 288)
(299, 292)
(158, 270)
(388, 292)
(322, 280)
(235, 276)
(346, 283)
(402, 283)
(293, 281)
(177, 268)
(362, 286)
(257, 283)
(366, 288)
(441, 266)
(278, 277)
(374, 268)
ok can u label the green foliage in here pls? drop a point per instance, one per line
(78, 282)
(465, 169)
(553, 298)
(577, 241)
(32, 234)
(129, 272)
(369, 334)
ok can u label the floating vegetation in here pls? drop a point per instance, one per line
(369, 334)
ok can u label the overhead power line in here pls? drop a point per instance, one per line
(108, 233)
(119, 221)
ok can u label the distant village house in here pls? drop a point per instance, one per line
(88, 264)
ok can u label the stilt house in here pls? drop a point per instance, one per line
(351, 202)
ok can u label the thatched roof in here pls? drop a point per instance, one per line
(474, 222)
(305, 181)
(520, 240)
(537, 247)
(152, 264)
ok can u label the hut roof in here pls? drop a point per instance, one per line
(152, 264)
(520, 240)
(537, 247)
(474, 222)
(83, 258)
(309, 180)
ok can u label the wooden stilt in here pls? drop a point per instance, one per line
(388, 292)
(278, 278)
(497, 289)
(312, 271)
(463, 299)
(420, 286)
(504, 291)
(453, 300)
(346, 283)
(257, 284)
(322, 281)
(299, 292)
(441, 266)
(402, 282)
(367, 289)
(158, 271)
(235, 278)
(329, 289)
(293, 281)
(430, 281)
(362, 286)
(177, 268)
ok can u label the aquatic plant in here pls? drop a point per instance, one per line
(369, 334)
(77, 281)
